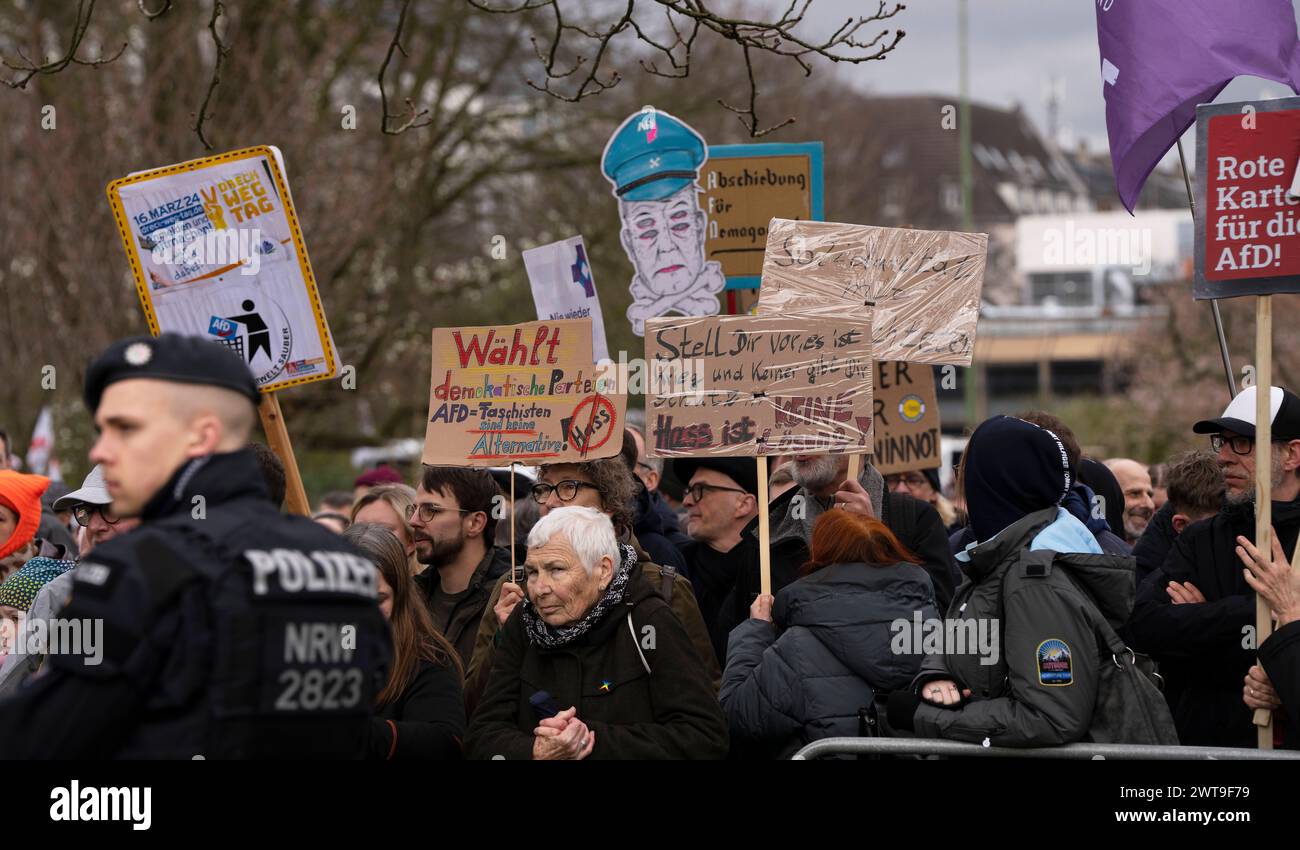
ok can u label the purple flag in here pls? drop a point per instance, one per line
(1160, 58)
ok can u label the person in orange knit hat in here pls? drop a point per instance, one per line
(20, 514)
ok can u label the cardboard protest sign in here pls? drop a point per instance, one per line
(563, 287)
(217, 251)
(906, 418)
(746, 385)
(924, 285)
(525, 392)
(1248, 241)
(653, 161)
(745, 187)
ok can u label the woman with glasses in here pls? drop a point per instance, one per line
(607, 486)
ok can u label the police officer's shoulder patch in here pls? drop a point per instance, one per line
(1055, 668)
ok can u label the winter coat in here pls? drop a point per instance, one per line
(635, 679)
(425, 721)
(1043, 685)
(465, 618)
(682, 602)
(829, 649)
(1280, 656)
(915, 523)
(1153, 546)
(660, 542)
(1203, 645)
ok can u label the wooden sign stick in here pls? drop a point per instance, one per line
(513, 577)
(764, 553)
(277, 437)
(1263, 482)
(855, 467)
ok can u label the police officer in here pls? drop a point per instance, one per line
(217, 628)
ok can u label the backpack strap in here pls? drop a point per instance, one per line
(667, 579)
(636, 641)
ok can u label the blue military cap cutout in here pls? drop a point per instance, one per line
(652, 155)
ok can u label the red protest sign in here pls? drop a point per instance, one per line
(1248, 236)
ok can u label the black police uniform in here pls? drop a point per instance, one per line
(228, 630)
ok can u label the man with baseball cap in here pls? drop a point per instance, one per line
(224, 630)
(1198, 610)
(721, 498)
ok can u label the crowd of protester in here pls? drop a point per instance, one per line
(615, 609)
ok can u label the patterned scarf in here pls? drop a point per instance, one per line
(550, 637)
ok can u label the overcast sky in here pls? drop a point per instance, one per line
(1016, 48)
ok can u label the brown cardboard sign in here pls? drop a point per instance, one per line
(749, 386)
(906, 418)
(524, 392)
(745, 187)
(924, 284)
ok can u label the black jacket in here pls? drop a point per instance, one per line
(805, 675)
(1153, 546)
(1280, 657)
(916, 525)
(213, 612)
(425, 721)
(661, 542)
(669, 712)
(465, 617)
(1203, 645)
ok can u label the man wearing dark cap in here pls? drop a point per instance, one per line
(1197, 611)
(228, 631)
(721, 498)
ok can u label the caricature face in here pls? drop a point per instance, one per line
(666, 240)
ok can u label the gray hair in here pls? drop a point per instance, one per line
(589, 531)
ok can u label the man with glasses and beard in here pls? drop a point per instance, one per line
(453, 523)
(1196, 611)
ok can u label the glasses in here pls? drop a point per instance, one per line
(427, 511)
(911, 480)
(1239, 445)
(697, 491)
(566, 490)
(83, 513)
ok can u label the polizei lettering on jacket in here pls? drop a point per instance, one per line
(294, 571)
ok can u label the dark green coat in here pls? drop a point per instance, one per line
(669, 713)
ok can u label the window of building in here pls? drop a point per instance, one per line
(1064, 289)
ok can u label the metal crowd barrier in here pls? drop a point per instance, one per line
(1078, 752)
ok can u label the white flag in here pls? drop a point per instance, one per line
(563, 287)
(42, 444)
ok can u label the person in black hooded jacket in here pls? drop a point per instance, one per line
(1198, 611)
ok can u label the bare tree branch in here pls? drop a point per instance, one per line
(29, 69)
(153, 16)
(411, 115)
(222, 50)
(589, 48)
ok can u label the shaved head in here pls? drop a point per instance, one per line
(192, 401)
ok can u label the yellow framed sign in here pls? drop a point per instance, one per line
(216, 251)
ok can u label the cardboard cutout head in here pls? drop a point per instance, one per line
(653, 163)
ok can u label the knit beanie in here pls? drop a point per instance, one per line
(21, 494)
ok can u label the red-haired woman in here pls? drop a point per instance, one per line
(420, 713)
(801, 668)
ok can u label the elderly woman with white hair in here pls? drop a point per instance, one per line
(592, 665)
